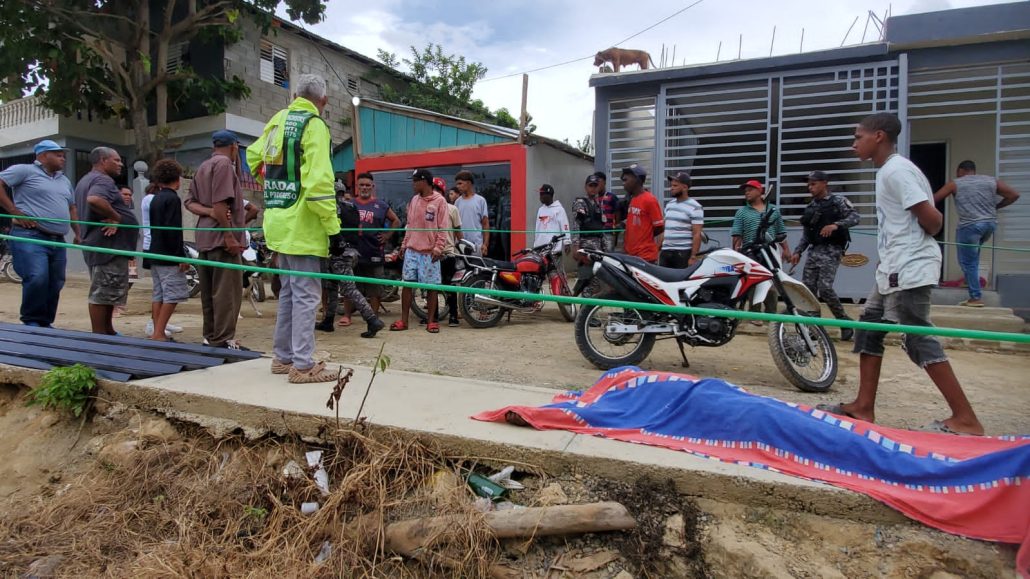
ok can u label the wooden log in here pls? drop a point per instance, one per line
(407, 537)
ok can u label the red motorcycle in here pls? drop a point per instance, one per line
(525, 274)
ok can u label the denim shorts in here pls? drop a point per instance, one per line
(420, 267)
(910, 307)
(109, 282)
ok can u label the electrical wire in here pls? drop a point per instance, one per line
(628, 38)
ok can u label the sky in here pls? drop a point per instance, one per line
(511, 37)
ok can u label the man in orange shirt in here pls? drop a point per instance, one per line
(644, 220)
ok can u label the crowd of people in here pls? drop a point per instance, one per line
(312, 224)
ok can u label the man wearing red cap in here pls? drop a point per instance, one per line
(745, 227)
(644, 220)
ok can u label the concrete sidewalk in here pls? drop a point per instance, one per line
(437, 408)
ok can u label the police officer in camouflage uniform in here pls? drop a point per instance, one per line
(826, 222)
(343, 254)
(588, 214)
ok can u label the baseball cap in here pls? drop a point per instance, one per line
(682, 177)
(545, 188)
(593, 180)
(753, 183)
(636, 170)
(439, 184)
(422, 175)
(818, 176)
(602, 176)
(224, 138)
(47, 145)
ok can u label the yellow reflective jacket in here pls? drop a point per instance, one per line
(303, 227)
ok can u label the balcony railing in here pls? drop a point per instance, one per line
(24, 111)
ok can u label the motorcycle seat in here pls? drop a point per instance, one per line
(491, 263)
(666, 274)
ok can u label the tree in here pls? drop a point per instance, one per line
(444, 83)
(586, 145)
(98, 56)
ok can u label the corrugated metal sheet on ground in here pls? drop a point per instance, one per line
(118, 358)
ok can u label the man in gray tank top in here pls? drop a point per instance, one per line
(977, 203)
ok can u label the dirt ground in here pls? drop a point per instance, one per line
(195, 506)
(540, 350)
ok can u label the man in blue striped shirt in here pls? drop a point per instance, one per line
(684, 220)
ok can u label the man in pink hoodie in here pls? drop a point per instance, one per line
(423, 245)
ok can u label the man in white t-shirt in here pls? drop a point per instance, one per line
(910, 265)
(551, 220)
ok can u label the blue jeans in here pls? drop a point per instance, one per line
(41, 268)
(975, 235)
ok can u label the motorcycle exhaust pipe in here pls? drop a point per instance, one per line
(489, 301)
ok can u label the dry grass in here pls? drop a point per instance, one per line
(212, 509)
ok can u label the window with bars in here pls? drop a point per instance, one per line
(631, 139)
(275, 64)
(353, 84)
(178, 56)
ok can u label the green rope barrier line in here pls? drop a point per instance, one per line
(736, 314)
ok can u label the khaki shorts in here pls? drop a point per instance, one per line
(109, 285)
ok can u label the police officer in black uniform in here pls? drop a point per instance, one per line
(826, 222)
(589, 218)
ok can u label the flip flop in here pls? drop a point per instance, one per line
(344, 321)
(837, 409)
(398, 326)
(941, 428)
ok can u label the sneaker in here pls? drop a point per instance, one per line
(281, 367)
(314, 374)
(325, 326)
(168, 329)
(373, 328)
(846, 334)
(453, 322)
(172, 328)
(236, 345)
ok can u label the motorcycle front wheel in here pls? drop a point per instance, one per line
(808, 372)
(606, 350)
(8, 271)
(420, 304)
(193, 281)
(257, 287)
(479, 315)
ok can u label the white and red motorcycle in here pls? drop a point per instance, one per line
(723, 280)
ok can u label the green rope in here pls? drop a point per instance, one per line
(735, 314)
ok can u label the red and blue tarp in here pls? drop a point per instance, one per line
(977, 487)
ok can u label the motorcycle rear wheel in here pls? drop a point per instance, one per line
(479, 315)
(257, 288)
(420, 304)
(11, 275)
(806, 372)
(568, 311)
(591, 336)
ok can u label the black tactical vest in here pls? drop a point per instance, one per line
(820, 213)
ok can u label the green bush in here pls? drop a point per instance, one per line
(67, 388)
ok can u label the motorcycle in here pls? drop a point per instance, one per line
(525, 274)
(7, 263)
(255, 254)
(723, 279)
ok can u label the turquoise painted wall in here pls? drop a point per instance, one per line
(390, 132)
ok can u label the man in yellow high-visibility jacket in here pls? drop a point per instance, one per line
(292, 161)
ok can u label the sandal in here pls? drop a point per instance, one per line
(433, 328)
(398, 326)
(837, 409)
(314, 374)
(941, 428)
(344, 321)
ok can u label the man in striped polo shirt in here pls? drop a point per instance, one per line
(684, 220)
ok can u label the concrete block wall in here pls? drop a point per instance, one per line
(305, 56)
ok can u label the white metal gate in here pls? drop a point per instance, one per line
(777, 128)
(632, 127)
